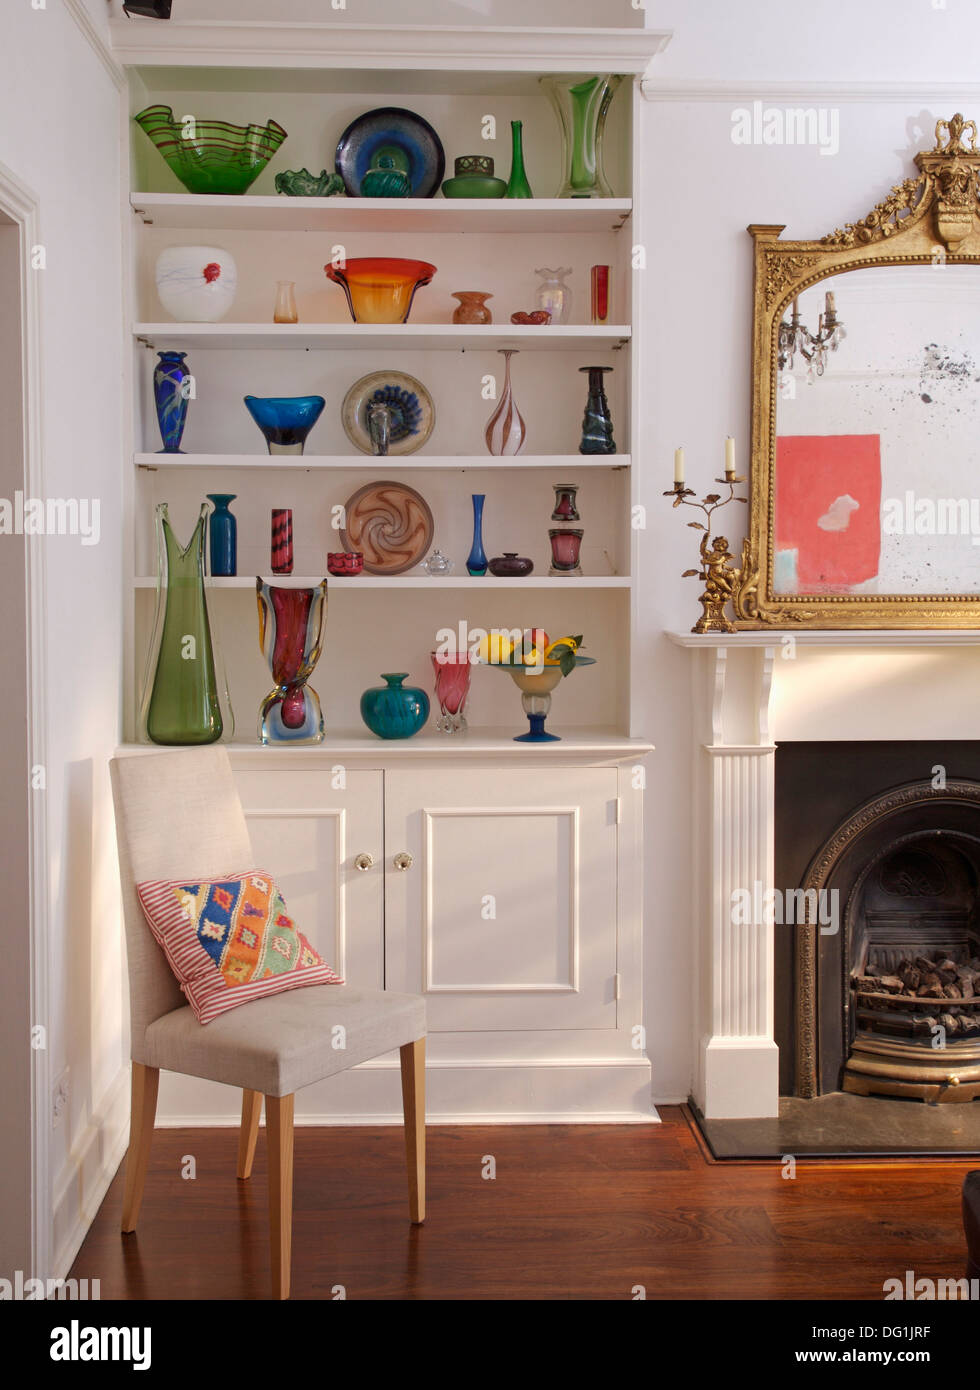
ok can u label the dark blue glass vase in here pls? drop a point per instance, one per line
(476, 561)
(171, 391)
(223, 534)
(394, 710)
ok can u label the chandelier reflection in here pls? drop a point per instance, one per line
(795, 338)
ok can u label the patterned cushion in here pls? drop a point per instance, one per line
(229, 940)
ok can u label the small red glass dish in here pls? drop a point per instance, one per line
(536, 316)
(344, 562)
(380, 289)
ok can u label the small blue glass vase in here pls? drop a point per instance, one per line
(476, 561)
(223, 535)
(170, 396)
(394, 710)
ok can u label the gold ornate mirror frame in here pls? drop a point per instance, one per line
(929, 218)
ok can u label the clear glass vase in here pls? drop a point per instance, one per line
(185, 697)
(581, 104)
(553, 294)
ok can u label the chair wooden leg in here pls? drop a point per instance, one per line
(413, 1101)
(279, 1135)
(143, 1111)
(249, 1132)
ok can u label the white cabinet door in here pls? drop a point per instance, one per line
(307, 831)
(506, 918)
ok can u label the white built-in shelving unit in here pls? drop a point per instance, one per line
(531, 1014)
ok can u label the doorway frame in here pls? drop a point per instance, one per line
(22, 206)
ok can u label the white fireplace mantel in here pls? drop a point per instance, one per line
(752, 690)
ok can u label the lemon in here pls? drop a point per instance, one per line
(494, 648)
(553, 653)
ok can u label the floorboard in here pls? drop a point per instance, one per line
(573, 1212)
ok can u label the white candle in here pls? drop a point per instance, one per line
(729, 457)
(679, 466)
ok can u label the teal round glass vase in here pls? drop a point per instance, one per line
(581, 104)
(394, 710)
(185, 696)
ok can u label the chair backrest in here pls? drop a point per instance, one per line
(177, 816)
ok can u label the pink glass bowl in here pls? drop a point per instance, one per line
(380, 289)
(344, 562)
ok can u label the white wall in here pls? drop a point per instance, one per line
(59, 134)
(698, 307)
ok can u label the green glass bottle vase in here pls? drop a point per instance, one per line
(518, 187)
(185, 699)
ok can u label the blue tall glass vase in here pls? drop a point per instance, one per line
(476, 561)
(223, 534)
(171, 391)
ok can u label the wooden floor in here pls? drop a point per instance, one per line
(574, 1212)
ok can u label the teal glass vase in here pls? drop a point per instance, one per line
(581, 104)
(518, 186)
(185, 697)
(394, 710)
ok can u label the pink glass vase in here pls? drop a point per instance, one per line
(452, 689)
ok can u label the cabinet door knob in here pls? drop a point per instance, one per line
(363, 861)
(404, 860)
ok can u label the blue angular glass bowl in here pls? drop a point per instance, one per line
(285, 421)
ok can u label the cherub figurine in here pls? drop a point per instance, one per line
(721, 579)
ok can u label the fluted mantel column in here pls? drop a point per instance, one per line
(738, 1072)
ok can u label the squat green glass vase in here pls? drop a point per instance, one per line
(185, 700)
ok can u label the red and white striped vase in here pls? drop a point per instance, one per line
(506, 431)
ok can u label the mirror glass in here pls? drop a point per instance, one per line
(877, 461)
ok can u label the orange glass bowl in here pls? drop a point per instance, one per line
(380, 289)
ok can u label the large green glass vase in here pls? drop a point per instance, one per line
(182, 703)
(581, 104)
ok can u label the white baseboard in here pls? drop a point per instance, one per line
(611, 1117)
(80, 1188)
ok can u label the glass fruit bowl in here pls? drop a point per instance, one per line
(211, 156)
(380, 289)
(285, 421)
(536, 684)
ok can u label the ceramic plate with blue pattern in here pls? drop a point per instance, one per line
(412, 414)
(406, 138)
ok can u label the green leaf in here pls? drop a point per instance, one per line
(567, 662)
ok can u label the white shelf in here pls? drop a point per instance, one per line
(252, 213)
(422, 337)
(556, 463)
(329, 56)
(475, 743)
(411, 581)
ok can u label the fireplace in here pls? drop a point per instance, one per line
(884, 990)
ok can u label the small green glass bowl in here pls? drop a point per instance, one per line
(211, 156)
(474, 179)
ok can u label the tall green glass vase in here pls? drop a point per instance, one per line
(581, 104)
(518, 187)
(185, 699)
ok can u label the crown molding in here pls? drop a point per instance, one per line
(83, 21)
(223, 43)
(745, 92)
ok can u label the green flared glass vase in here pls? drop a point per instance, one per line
(581, 104)
(518, 186)
(185, 697)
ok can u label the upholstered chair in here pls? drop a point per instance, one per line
(178, 816)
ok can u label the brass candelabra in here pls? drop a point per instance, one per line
(718, 570)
